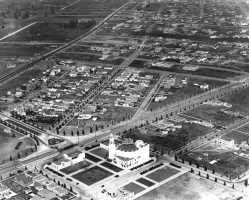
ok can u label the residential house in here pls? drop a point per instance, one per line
(23, 179)
(68, 160)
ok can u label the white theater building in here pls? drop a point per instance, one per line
(128, 154)
(68, 160)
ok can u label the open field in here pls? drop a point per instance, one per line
(133, 187)
(244, 128)
(201, 72)
(89, 58)
(76, 167)
(47, 31)
(187, 187)
(100, 152)
(8, 144)
(92, 175)
(212, 114)
(226, 164)
(237, 136)
(239, 100)
(175, 94)
(145, 182)
(111, 167)
(23, 49)
(162, 174)
(173, 140)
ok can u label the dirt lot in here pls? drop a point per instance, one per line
(212, 114)
(187, 187)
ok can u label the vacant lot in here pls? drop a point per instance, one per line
(187, 187)
(173, 140)
(45, 32)
(133, 187)
(201, 72)
(178, 94)
(237, 136)
(92, 175)
(239, 100)
(226, 164)
(212, 114)
(16, 50)
(76, 167)
(8, 144)
(90, 58)
(162, 174)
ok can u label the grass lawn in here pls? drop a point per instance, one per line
(187, 187)
(162, 174)
(100, 152)
(237, 136)
(145, 182)
(111, 167)
(227, 163)
(92, 158)
(76, 167)
(92, 175)
(8, 144)
(133, 187)
(213, 114)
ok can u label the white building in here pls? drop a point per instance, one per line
(128, 154)
(68, 160)
(225, 141)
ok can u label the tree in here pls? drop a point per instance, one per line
(91, 129)
(215, 179)
(176, 157)
(72, 133)
(182, 160)
(199, 173)
(64, 132)
(11, 158)
(18, 155)
(213, 171)
(224, 183)
(83, 132)
(205, 168)
(71, 189)
(192, 171)
(233, 186)
(207, 176)
(13, 135)
(246, 182)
